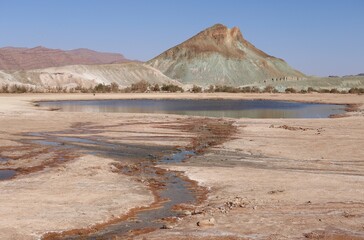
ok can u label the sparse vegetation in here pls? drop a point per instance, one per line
(225, 88)
(171, 88)
(5, 88)
(99, 88)
(303, 91)
(311, 89)
(269, 89)
(196, 89)
(356, 90)
(155, 88)
(211, 89)
(334, 90)
(246, 89)
(114, 87)
(324, 91)
(141, 86)
(255, 90)
(290, 90)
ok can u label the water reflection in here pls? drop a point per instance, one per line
(208, 108)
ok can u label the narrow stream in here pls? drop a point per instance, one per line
(175, 189)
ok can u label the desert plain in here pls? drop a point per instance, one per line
(255, 178)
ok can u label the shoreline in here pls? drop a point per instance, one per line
(20, 108)
(327, 98)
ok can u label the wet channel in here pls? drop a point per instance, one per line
(174, 190)
(7, 174)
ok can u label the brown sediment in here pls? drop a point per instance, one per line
(332, 235)
(83, 232)
(338, 115)
(200, 191)
(208, 133)
(58, 157)
(353, 107)
(53, 109)
(194, 237)
(291, 128)
(158, 201)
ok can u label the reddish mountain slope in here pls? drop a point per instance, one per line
(40, 57)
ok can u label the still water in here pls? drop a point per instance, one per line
(208, 108)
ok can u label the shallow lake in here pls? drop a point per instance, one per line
(208, 108)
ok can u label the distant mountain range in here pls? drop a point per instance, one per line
(12, 58)
(216, 56)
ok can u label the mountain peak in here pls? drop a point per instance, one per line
(220, 55)
(222, 34)
(217, 39)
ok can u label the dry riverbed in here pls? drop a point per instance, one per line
(266, 179)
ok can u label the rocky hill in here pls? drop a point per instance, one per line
(40, 57)
(124, 74)
(219, 55)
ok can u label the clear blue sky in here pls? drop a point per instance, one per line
(318, 37)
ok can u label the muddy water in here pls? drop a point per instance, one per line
(208, 108)
(7, 174)
(175, 189)
(3, 159)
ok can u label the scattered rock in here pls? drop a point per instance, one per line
(276, 191)
(229, 205)
(314, 235)
(187, 213)
(348, 215)
(195, 212)
(167, 226)
(206, 222)
(151, 156)
(291, 128)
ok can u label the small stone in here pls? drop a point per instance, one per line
(187, 213)
(206, 222)
(167, 226)
(195, 212)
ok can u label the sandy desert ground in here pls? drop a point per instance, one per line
(263, 178)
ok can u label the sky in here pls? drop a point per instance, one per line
(317, 37)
